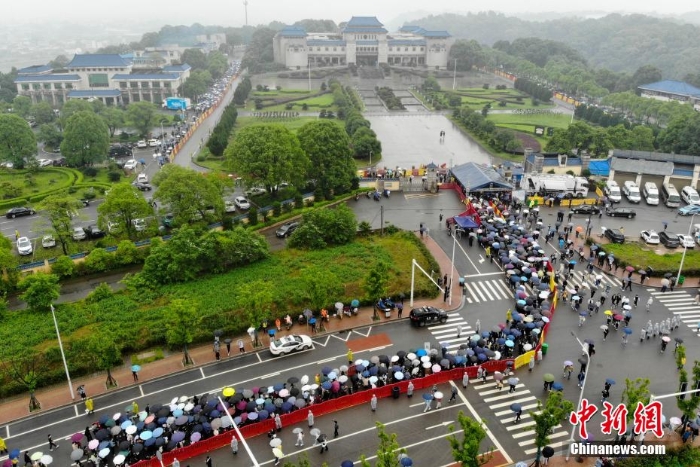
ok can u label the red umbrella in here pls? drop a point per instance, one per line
(502, 326)
(618, 317)
(629, 268)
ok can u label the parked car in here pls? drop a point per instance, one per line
(24, 246)
(131, 164)
(142, 178)
(242, 203)
(79, 234)
(427, 315)
(47, 241)
(287, 229)
(168, 221)
(93, 232)
(45, 162)
(119, 150)
(143, 186)
(615, 236)
(139, 224)
(18, 212)
(620, 212)
(588, 209)
(650, 237)
(689, 210)
(60, 162)
(256, 191)
(142, 144)
(690, 195)
(686, 241)
(113, 227)
(288, 344)
(153, 142)
(669, 240)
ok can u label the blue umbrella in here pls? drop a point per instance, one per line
(427, 397)
(365, 374)
(530, 325)
(610, 381)
(347, 464)
(535, 280)
(355, 303)
(326, 385)
(501, 341)
(278, 387)
(516, 407)
(521, 302)
(573, 262)
(523, 279)
(557, 387)
(509, 344)
(510, 337)
(373, 371)
(406, 462)
(516, 316)
(583, 313)
(482, 357)
(485, 334)
(136, 368)
(421, 353)
(14, 454)
(627, 331)
(543, 286)
(325, 370)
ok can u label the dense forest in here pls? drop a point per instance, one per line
(620, 43)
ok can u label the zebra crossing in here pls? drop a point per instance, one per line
(447, 333)
(496, 288)
(680, 303)
(523, 432)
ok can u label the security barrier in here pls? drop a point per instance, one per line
(323, 408)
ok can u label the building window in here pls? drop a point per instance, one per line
(156, 84)
(134, 85)
(414, 49)
(405, 49)
(69, 85)
(100, 80)
(57, 85)
(422, 49)
(25, 87)
(36, 86)
(145, 84)
(122, 84)
(334, 49)
(342, 49)
(166, 85)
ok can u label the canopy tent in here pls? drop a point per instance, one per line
(466, 222)
(474, 177)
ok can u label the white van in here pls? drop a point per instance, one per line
(689, 195)
(612, 191)
(651, 194)
(631, 191)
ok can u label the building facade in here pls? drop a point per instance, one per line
(106, 77)
(363, 42)
(670, 90)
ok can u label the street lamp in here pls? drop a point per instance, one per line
(580, 397)
(63, 355)
(685, 249)
(370, 158)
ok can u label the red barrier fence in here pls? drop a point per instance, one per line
(323, 408)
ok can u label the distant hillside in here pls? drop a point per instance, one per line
(616, 42)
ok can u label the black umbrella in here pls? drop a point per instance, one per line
(668, 275)
(679, 340)
(137, 448)
(102, 434)
(292, 380)
(164, 412)
(547, 452)
(124, 445)
(155, 408)
(218, 333)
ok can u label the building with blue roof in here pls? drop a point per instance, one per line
(671, 90)
(112, 78)
(363, 41)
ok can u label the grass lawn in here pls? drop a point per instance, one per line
(138, 321)
(292, 123)
(313, 102)
(526, 123)
(22, 184)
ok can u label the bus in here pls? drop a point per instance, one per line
(670, 195)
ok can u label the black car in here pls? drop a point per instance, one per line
(92, 232)
(17, 212)
(143, 186)
(60, 162)
(586, 209)
(427, 315)
(620, 212)
(119, 150)
(615, 236)
(287, 229)
(669, 240)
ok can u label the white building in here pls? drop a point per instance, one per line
(107, 77)
(362, 42)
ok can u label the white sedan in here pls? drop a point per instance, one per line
(242, 203)
(45, 162)
(48, 241)
(650, 237)
(131, 164)
(287, 344)
(24, 246)
(686, 241)
(229, 206)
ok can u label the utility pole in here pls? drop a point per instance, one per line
(245, 4)
(381, 219)
(454, 76)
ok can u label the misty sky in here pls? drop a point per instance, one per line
(231, 13)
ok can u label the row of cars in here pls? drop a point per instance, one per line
(669, 239)
(652, 195)
(214, 93)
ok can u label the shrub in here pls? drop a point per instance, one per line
(90, 171)
(99, 260)
(114, 176)
(253, 216)
(127, 253)
(298, 201)
(89, 194)
(101, 292)
(63, 267)
(276, 208)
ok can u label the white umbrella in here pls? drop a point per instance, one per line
(296, 431)
(46, 459)
(276, 442)
(119, 459)
(315, 432)
(305, 379)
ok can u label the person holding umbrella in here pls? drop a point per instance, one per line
(606, 330)
(512, 382)
(581, 378)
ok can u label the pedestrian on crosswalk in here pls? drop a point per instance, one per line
(624, 339)
(518, 414)
(656, 330)
(582, 378)
(512, 382)
(428, 403)
(459, 331)
(697, 297)
(636, 300)
(477, 326)
(649, 303)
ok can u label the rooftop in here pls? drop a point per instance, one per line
(177, 68)
(364, 21)
(292, 31)
(670, 86)
(51, 77)
(95, 93)
(35, 69)
(147, 76)
(97, 60)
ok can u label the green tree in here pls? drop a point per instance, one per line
(194, 58)
(197, 84)
(114, 118)
(234, 248)
(85, 139)
(267, 155)
(63, 266)
(646, 74)
(42, 113)
(328, 148)
(388, 451)
(22, 106)
(467, 53)
(40, 290)
(72, 107)
(99, 260)
(180, 259)
(142, 116)
(189, 194)
(59, 211)
(467, 451)
(256, 299)
(376, 282)
(321, 287)
(687, 403)
(26, 370)
(17, 140)
(335, 226)
(365, 141)
(216, 64)
(635, 391)
(122, 205)
(556, 409)
(105, 353)
(182, 319)
(8, 267)
(50, 135)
